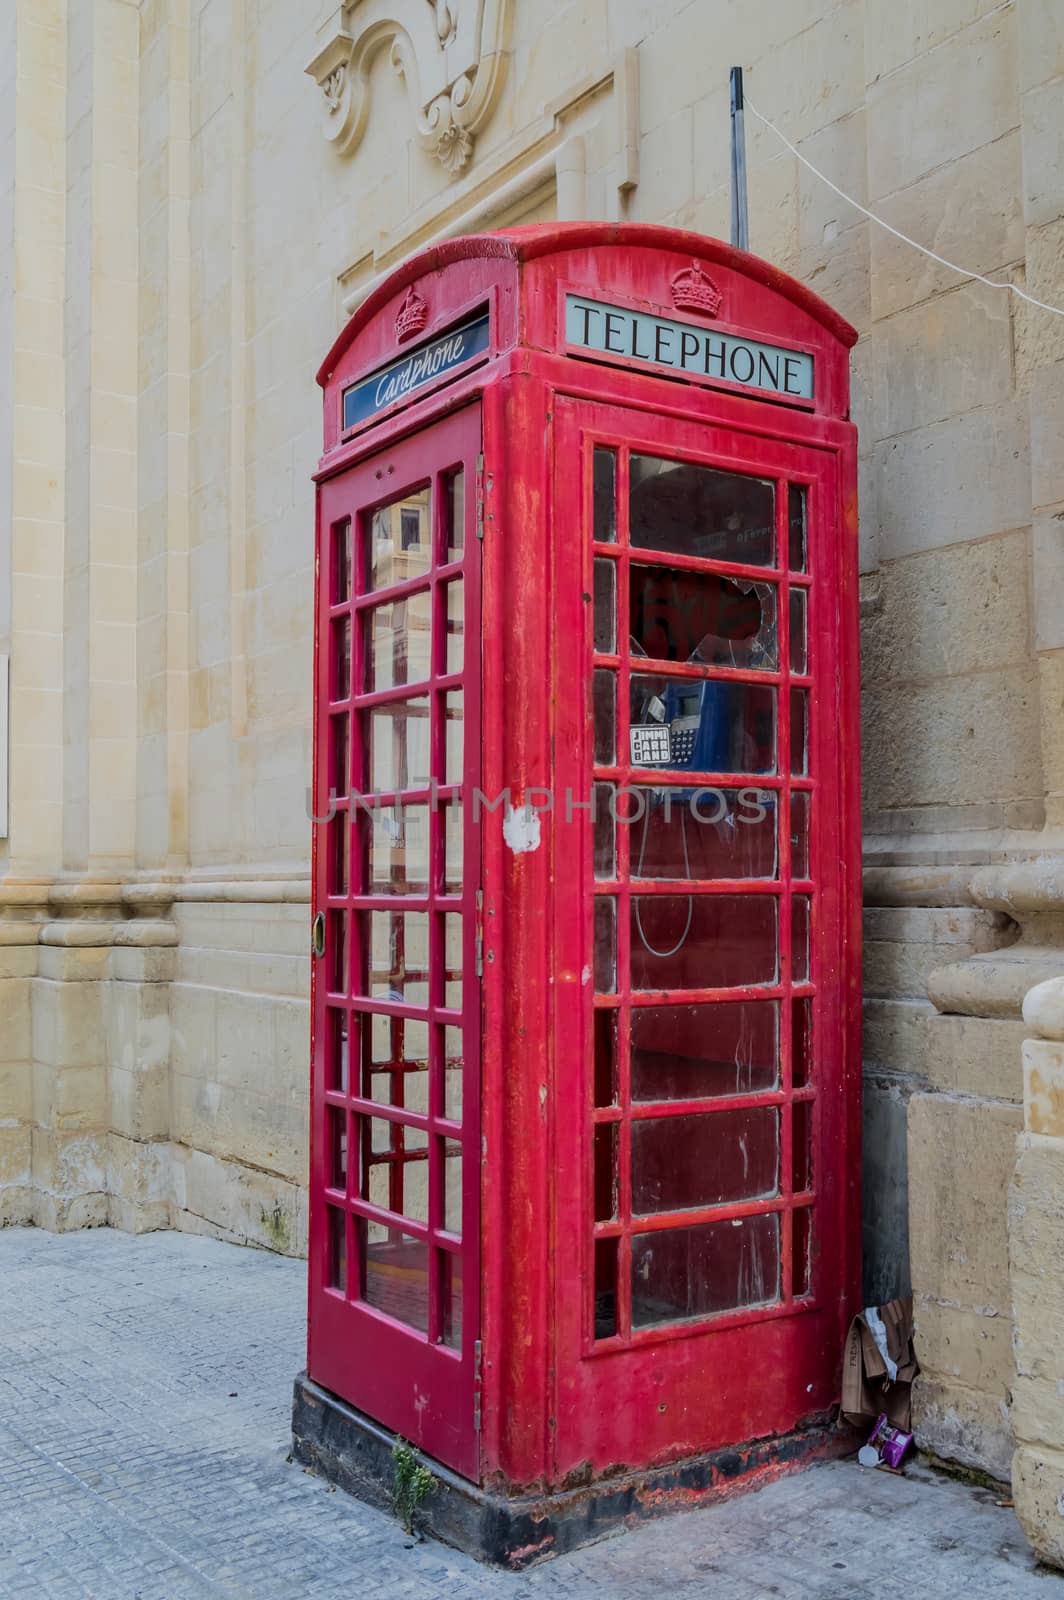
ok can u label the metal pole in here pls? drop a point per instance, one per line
(740, 229)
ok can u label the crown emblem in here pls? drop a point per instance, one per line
(694, 290)
(412, 315)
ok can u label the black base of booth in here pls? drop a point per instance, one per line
(349, 1449)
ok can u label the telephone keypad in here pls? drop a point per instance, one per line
(683, 745)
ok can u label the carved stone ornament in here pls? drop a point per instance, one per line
(694, 290)
(450, 54)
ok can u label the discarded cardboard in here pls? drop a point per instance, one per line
(879, 1365)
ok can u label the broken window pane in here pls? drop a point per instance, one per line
(702, 617)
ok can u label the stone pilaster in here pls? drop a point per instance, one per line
(1036, 1258)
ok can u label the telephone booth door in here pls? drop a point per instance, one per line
(394, 1289)
(715, 1271)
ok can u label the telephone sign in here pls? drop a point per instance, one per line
(704, 354)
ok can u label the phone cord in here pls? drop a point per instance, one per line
(647, 946)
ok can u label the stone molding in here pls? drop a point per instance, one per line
(450, 54)
(1031, 894)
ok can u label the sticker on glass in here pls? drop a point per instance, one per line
(651, 746)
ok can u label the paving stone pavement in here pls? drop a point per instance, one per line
(145, 1386)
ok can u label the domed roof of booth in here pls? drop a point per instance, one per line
(547, 238)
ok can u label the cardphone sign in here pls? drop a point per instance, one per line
(423, 365)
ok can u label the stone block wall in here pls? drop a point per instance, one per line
(184, 245)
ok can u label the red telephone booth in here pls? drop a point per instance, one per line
(586, 1050)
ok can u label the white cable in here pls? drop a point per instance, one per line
(965, 272)
(648, 947)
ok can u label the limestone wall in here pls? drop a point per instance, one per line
(193, 217)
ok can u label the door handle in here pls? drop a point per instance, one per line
(317, 935)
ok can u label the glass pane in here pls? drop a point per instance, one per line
(341, 584)
(398, 849)
(454, 742)
(701, 617)
(605, 945)
(605, 606)
(454, 606)
(398, 544)
(452, 1073)
(453, 844)
(800, 732)
(341, 640)
(399, 1070)
(398, 745)
(679, 1163)
(336, 951)
(380, 1182)
(604, 695)
(401, 1182)
(453, 927)
(340, 771)
(605, 495)
(712, 833)
(716, 941)
(339, 872)
(802, 1252)
(337, 1059)
(336, 1265)
(699, 511)
(702, 1052)
(799, 632)
(605, 1288)
(799, 833)
(397, 638)
(702, 725)
(604, 798)
(450, 1299)
(801, 1042)
(398, 955)
(605, 1058)
(605, 1171)
(796, 538)
(336, 1147)
(395, 1274)
(695, 1272)
(454, 511)
(801, 1145)
(800, 938)
(391, 1138)
(452, 1186)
